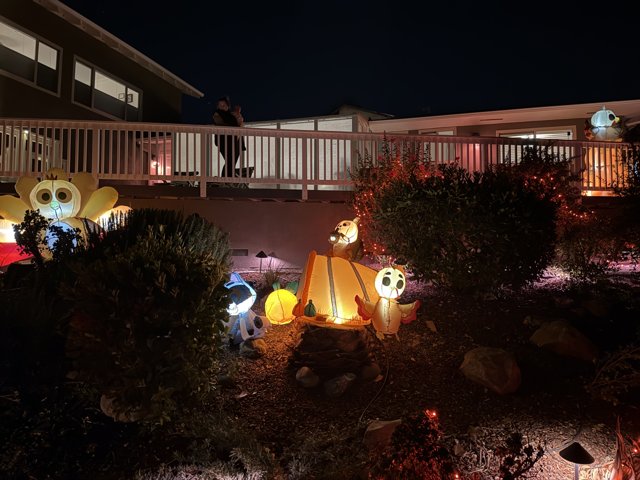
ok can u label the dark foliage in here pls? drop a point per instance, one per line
(148, 302)
(472, 232)
(416, 451)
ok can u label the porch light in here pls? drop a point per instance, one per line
(576, 454)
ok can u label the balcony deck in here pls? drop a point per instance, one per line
(182, 161)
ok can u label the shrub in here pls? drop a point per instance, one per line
(471, 232)
(416, 451)
(149, 299)
(617, 377)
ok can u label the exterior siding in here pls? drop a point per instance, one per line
(161, 102)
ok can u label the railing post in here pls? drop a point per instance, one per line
(204, 150)
(305, 169)
(95, 152)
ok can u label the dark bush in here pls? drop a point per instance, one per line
(416, 451)
(149, 299)
(471, 232)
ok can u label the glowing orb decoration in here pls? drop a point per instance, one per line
(344, 239)
(603, 118)
(279, 305)
(387, 314)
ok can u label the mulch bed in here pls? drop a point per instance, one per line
(420, 370)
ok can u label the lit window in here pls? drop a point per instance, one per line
(100, 91)
(25, 57)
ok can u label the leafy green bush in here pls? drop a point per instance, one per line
(416, 451)
(471, 232)
(149, 299)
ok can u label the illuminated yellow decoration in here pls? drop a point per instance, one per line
(330, 284)
(605, 126)
(58, 198)
(386, 314)
(344, 240)
(278, 307)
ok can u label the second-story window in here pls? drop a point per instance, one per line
(28, 58)
(100, 91)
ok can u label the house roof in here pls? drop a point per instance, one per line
(630, 109)
(110, 40)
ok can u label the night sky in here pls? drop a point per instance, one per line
(295, 59)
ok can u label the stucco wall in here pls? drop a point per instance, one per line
(290, 229)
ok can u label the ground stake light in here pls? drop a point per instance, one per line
(261, 255)
(576, 454)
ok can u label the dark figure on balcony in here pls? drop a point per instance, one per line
(230, 146)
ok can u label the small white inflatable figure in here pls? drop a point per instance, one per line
(605, 126)
(387, 314)
(243, 323)
(345, 242)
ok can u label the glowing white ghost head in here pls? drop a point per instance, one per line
(56, 199)
(603, 118)
(390, 282)
(242, 295)
(346, 232)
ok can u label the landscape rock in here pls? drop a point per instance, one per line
(109, 408)
(562, 338)
(247, 350)
(379, 432)
(335, 387)
(369, 372)
(493, 368)
(307, 378)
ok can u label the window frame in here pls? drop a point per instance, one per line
(94, 68)
(39, 39)
(534, 130)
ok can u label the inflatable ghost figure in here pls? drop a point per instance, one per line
(605, 126)
(243, 323)
(386, 314)
(70, 205)
(345, 242)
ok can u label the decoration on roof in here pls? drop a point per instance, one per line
(345, 242)
(386, 313)
(327, 288)
(604, 126)
(67, 204)
(243, 323)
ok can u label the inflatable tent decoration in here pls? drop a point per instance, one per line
(605, 126)
(278, 307)
(243, 323)
(345, 242)
(330, 284)
(59, 200)
(386, 313)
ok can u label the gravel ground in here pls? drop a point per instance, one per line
(421, 370)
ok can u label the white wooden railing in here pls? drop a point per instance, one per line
(145, 153)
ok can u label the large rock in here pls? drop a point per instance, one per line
(335, 387)
(307, 378)
(494, 368)
(379, 432)
(562, 338)
(109, 407)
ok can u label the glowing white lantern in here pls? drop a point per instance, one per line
(603, 118)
